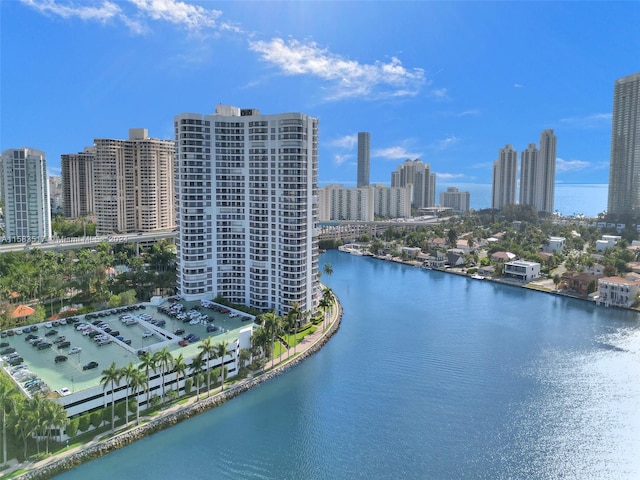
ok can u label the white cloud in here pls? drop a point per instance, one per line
(593, 120)
(347, 78)
(101, 12)
(192, 17)
(467, 113)
(395, 153)
(339, 159)
(518, 85)
(564, 166)
(446, 142)
(179, 13)
(449, 176)
(348, 142)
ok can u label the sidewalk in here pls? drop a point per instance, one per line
(307, 343)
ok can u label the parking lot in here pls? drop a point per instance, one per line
(112, 339)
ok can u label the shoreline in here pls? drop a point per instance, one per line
(67, 460)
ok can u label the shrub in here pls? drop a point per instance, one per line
(133, 405)
(72, 427)
(96, 418)
(84, 422)
(121, 410)
(188, 385)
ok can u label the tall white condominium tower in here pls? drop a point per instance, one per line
(417, 174)
(364, 158)
(455, 199)
(504, 178)
(528, 166)
(624, 169)
(134, 189)
(247, 204)
(25, 189)
(392, 202)
(546, 173)
(77, 183)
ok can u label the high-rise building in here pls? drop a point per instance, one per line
(25, 188)
(504, 178)
(247, 204)
(392, 202)
(455, 199)
(419, 176)
(364, 158)
(77, 183)
(624, 169)
(528, 166)
(55, 194)
(133, 183)
(344, 203)
(546, 173)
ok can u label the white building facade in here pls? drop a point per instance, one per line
(456, 200)
(77, 183)
(504, 178)
(392, 202)
(344, 203)
(522, 270)
(247, 204)
(25, 189)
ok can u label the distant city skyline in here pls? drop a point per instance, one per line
(478, 78)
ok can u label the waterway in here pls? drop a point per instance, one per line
(430, 376)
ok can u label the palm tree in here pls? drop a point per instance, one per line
(138, 380)
(328, 269)
(111, 376)
(196, 367)
(260, 338)
(325, 304)
(35, 411)
(209, 350)
(221, 352)
(7, 404)
(54, 416)
(148, 362)
(294, 316)
(128, 373)
(23, 425)
(180, 367)
(270, 320)
(164, 359)
(281, 327)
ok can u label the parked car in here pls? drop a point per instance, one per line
(51, 333)
(183, 343)
(147, 334)
(65, 344)
(44, 345)
(75, 350)
(16, 361)
(60, 358)
(7, 351)
(179, 331)
(90, 366)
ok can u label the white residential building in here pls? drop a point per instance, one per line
(617, 291)
(25, 189)
(456, 200)
(392, 202)
(345, 203)
(77, 183)
(607, 241)
(556, 244)
(417, 174)
(522, 270)
(247, 204)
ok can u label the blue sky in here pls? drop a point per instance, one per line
(447, 82)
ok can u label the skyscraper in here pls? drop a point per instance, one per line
(247, 204)
(133, 183)
(538, 173)
(364, 159)
(418, 175)
(344, 203)
(504, 178)
(25, 188)
(624, 168)
(77, 183)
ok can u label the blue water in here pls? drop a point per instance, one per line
(570, 199)
(431, 376)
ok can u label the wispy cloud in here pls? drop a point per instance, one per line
(348, 142)
(339, 159)
(449, 176)
(395, 153)
(134, 13)
(468, 113)
(518, 85)
(346, 78)
(101, 12)
(564, 166)
(445, 143)
(594, 120)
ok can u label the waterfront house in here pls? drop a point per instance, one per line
(607, 241)
(555, 244)
(617, 291)
(522, 270)
(455, 258)
(503, 257)
(580, 282)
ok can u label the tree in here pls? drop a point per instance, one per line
(138, 381)
(111, 376)
(271, 325)
(148, 363)
(196, 366)
(164, 360)
(325, 304)
(328, 269)
(54, 416)
(556, 280)
(221, 352)
(180, 367)
(128, 373)
(260, 339)
(208, 351)
(6, 404)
